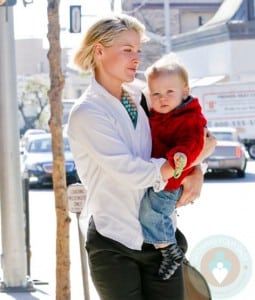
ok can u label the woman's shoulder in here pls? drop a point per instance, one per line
(83, 105)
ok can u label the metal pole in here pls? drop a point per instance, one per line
(25, 189)
(12, 213)
(76, 198)
(84, 262)
(167, 26)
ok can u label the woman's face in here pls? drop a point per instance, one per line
(119, 62)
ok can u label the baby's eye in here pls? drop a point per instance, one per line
(155, 96)
(128, 50)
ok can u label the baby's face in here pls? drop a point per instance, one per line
(167, 91)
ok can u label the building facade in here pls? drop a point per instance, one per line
(223, 47)
(184, 16)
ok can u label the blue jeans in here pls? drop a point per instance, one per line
(154, 215)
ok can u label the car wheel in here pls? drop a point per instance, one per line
(241, 173)
(251, 151)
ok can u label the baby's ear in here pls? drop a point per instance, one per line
(186, 91)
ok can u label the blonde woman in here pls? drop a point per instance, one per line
(111, 145)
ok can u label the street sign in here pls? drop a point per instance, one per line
(75, 18)
(76, 194)
(7, 2)
(76, 199)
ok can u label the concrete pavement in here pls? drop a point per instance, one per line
(43, 257)
(41, 292)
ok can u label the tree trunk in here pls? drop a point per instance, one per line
(59, 178)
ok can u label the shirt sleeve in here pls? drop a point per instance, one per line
(91, 133)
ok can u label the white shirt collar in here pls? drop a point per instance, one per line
(133, 90)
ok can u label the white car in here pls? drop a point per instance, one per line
(37, 161)
(26, 136)
(229, 154)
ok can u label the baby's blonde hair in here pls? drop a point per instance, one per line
(168, 64)
(105, 31)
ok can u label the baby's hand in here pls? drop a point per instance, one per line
(180, 161)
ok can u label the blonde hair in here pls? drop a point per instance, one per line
(168, 64)
(105, 31)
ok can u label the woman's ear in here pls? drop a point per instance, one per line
(98, 49)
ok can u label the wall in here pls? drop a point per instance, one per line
(30, 57)
(231, 58)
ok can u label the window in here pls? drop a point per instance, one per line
(201, 20)
(251, 9)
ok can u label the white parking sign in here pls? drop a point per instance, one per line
(76, 197)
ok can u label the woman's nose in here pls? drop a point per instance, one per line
(137, 58)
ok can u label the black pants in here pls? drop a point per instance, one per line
(120, 273)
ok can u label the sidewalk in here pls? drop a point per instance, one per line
(43, 257)
(35, 290)
(41, 292)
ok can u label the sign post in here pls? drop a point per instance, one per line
(76, 199)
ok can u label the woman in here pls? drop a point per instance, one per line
(112, 154)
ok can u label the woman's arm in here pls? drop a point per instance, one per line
(192, 184)
(208, 148)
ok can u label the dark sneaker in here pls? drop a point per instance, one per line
(172, 257)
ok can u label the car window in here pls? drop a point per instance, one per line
(44, 145)
(40, 146)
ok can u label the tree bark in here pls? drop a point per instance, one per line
(59, 178)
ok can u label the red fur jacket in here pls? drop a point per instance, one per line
(181, 130)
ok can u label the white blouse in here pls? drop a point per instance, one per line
(113, 162)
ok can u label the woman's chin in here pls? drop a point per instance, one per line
(130, 78)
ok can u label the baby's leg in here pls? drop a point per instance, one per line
(172, 257)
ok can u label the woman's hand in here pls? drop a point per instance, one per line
(192, 185)
(208, 148)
